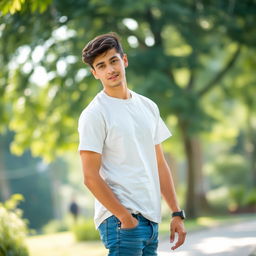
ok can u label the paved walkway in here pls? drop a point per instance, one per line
(229, 240)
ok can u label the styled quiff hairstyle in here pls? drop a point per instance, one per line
(99, 45)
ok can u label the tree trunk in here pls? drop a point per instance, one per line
(4, 186)
(195, 194)
(200, 189)
(5, 192)
(55, 190)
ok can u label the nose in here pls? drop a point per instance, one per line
(110, 69)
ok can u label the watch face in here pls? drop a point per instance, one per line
(180, 214)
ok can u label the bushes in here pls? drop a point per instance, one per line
(231, 186)
(13, 229)
(84, 230)
(55, 226)
(243, 199)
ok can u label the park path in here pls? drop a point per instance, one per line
(228, 240)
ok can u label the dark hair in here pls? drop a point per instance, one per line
(99, 45)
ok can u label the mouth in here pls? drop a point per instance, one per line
(114, 77)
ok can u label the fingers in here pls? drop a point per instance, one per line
(172, 236)
(130, 223)
(181, 240)
(177, 226)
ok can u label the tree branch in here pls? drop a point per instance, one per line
(170, 74)
(190, 84)
(155, 28)
(221, 73)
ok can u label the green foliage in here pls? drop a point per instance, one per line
(218, 199)
(250, 198)
(230, 170)
(33, 179)
(237, 194)
(241, 196)
(59, 225)
(231, 184)
(84, 230)
(55, 226)
(13, 6)
(13, 229)
(177, 52)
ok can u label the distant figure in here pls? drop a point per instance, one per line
(74, 209)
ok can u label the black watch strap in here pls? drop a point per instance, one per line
(180, 214)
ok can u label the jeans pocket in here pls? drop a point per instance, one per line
(127, 229)
(103, 232)
(108, 231)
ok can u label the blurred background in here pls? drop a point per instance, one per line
(195, 59)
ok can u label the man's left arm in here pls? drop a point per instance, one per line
(169, 194)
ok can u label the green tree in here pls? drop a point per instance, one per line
(13, 6)
(242, 87)
(178, 51)
(33, 179)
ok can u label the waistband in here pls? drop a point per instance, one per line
(140, 217)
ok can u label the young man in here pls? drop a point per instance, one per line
(123, 162)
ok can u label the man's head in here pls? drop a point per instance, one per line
(99, 45)
(107, 60)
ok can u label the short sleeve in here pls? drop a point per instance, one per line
(92, 134)
(162, 132)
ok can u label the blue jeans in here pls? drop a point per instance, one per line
(139, 241)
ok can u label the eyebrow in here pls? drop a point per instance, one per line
(100, 63)
(114, 57)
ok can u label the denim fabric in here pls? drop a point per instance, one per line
(139, 241)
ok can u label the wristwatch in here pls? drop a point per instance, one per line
(180, 214)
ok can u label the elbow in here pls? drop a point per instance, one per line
(89, 181)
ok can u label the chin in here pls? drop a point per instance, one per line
(115, 85)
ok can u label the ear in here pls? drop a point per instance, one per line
(94, 73)
(125, 59)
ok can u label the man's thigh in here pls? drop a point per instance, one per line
(138, 241)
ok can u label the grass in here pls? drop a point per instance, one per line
(64, 244)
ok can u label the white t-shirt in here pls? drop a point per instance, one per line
(125, 132)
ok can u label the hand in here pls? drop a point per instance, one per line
(129, 222)
(177, 226)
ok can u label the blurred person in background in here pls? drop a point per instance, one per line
(74, 209)
(120, 136)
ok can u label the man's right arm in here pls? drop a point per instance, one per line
(91, 163)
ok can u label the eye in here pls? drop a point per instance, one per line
(100, 66)
(114, 61)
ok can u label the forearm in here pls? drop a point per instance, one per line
(106, 197)
(167, 186)
(91, 163)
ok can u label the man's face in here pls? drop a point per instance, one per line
(109, 68)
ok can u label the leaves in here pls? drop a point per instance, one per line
(13, 229)
(13, 6)
(175, 50)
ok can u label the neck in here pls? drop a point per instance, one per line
(121, 92)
